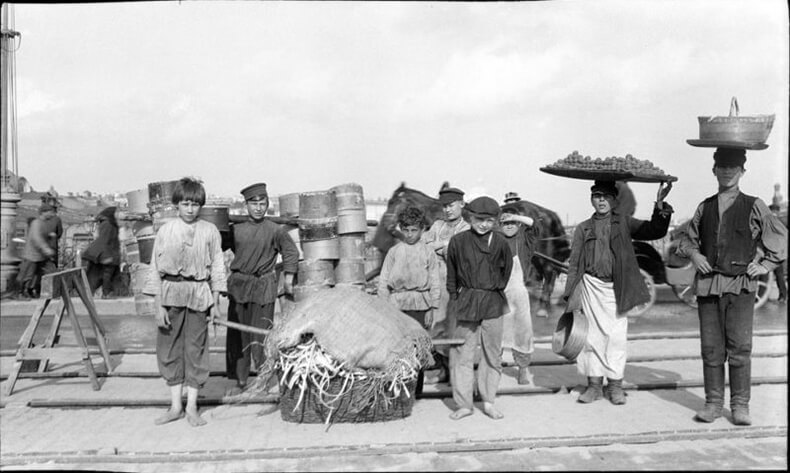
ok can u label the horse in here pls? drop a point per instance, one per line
(552, 239)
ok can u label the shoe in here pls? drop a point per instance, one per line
(709, 413)
(740, 415)
(781, 300)
(594, 390)
(614, 392)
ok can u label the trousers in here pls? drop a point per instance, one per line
(518, 302)
(243, 350)
(488, 335)
(182, 349)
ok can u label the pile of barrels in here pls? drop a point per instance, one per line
(332, 225)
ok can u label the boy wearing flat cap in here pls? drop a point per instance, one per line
(733, 239)
(479, 263)
(252, 284)
(604, 281)
(437, 238)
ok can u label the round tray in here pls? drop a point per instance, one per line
(595, 175)
(728, 144)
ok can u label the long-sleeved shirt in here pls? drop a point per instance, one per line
(438, 238)
(769, 232)
(193, 251)
(409, 277)
(478, 269)
(256, 246)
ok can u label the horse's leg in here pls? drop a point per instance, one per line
(549, 276)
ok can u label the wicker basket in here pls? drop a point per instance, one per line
(349, 408)
(749, 132)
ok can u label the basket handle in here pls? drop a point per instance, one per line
(734, 106)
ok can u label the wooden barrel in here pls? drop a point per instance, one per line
(219, 215)
(350, 271)
(145, 245)
(321, 249)
(319, 204)
(316, 272)
(351, 217)
(160, 194)
(289, 205)
(352, 245)
(137, 201)
(141, 228)
(317, 229)
(138, 277)
(303, 292)
(163, 214)
(145, 305)
(132, 251)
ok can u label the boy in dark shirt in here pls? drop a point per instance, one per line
(479, 263)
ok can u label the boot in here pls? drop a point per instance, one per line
(523, 360)
(740, 393)
(614, 391)
(714, 393)
(594, 390)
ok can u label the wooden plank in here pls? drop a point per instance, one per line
(83, 288)
(51, 287)
(42, 353)
(52, 338)
(24, 342)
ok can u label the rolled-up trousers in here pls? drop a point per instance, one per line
(182, 349)
(488, 335)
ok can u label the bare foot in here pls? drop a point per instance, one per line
(461, 413)
(491, 411)
(168, 416)
(194, 419)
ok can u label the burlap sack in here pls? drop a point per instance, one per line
(355, 328)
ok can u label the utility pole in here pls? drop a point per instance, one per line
(9, 196)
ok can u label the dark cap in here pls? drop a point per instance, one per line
(483, 207)
(512, 197)
(729, 157)
(450, 195)
(604, 187)
(511, 208)
(255, 190)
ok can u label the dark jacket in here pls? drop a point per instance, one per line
(629, 285)
(106, 248)
(477, 274)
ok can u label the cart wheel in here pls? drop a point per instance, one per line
(685, 293)
(651, 288)
(763, 289)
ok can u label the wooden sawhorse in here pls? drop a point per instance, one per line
(56, 285)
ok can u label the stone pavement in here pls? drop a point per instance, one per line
(544, 427)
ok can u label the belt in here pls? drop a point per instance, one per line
(180, 278)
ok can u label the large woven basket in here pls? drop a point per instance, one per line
(352, 407)
(749, 132)
(570, 335)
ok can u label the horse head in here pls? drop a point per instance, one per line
(387, 229)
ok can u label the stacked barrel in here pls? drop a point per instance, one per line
(352, 226)
(332, 226)
(319, 242)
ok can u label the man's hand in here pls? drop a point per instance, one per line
(755, 270)
(701, 263)
(288, 283)
(663, 192)
(162, 318)
(214, 312)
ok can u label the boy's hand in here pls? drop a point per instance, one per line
(429, 318)
(701, 263)
(755, 270)
(162, 318)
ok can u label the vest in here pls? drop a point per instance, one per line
(728, 245)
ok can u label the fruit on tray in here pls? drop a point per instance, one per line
(614, 164)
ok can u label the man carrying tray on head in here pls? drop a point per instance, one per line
(733, 238)
(604, 281)
(252, 284)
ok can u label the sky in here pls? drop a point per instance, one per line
(307, 96)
